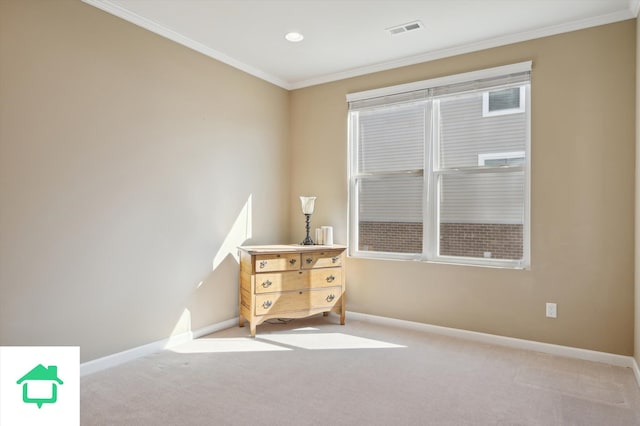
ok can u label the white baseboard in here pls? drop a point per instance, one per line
(109, 361)
(548, 348)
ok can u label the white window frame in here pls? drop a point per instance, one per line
(506, 111)
(431, 208)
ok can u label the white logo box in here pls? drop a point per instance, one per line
(39, 385)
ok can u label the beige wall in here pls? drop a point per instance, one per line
(583, 115)
(126, 165)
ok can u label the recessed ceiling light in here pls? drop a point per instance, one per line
(294, 37)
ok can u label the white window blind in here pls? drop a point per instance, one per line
(391, 138)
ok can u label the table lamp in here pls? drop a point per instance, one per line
(308, 203)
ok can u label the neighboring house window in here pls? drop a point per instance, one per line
(432, 177)
(503, 101)
(501, 159)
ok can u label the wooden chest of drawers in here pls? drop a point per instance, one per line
(290, 281)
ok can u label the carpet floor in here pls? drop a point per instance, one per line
(316, 372)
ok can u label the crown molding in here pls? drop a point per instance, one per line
(163, 31)
(116, 10)
(470, 47)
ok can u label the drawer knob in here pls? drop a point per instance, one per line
(292, 261)
(267, 284)
(330, 298)
(267, 304)
(263, 264)
(330, 278)
(309, 260)
(334, 259)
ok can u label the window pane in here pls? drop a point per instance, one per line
(513, 161)
(465, 133)
(390, 214)
(504, 99)
(482, 215)
(391, 138)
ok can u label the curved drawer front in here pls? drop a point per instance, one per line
(293, 301)
(324, 259)
(271, 282)
(277, 262)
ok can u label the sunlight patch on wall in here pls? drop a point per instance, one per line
(182, 330)
(239, 233)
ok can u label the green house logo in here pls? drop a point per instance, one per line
(45, 381)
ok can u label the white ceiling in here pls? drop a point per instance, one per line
(345, 38)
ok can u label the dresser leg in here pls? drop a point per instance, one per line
(342, 317)
(240, 321)
(253, 330)
(325, 314)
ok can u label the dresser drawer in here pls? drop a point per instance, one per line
(272, 282)
(323, 259)
(291, 301)
(325, 277)
(277, 262)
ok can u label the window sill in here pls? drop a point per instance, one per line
(452, 261)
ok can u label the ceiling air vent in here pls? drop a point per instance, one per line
(405, 28)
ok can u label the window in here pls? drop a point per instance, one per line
(501, 158)
(433, 177)
(503, 101)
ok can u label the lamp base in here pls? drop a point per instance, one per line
(307, 240)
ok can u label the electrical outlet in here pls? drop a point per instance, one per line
(552, 310)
